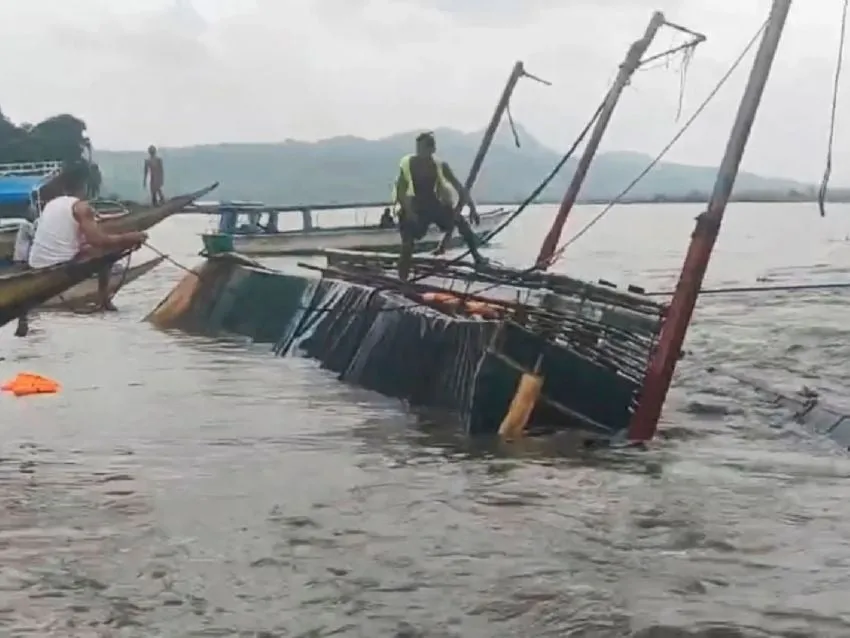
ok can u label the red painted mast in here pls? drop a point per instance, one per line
(659, 374)
(627, 69)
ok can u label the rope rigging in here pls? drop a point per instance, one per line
(687, 50)
(687, 47)
(827, 173)
(833, 285)
(559, 253)
(618, 199)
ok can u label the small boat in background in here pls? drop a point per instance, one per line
(24, 186)
(254, 239)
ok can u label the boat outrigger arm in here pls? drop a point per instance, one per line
(502, 107)
(142, 220)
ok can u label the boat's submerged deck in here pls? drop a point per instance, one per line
(469, 351)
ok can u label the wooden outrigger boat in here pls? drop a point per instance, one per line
(9, 229)
(86, 292)
(22, 291)
(25, 187)
(257, 241)
(508, 350)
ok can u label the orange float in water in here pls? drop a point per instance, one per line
(27, 383)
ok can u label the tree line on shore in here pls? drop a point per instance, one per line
(60, 138)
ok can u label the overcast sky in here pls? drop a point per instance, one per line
(178, 72)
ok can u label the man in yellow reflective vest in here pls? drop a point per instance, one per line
(424, 191)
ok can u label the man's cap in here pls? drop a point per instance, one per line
(426, 136)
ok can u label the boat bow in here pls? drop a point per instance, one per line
(142, 220)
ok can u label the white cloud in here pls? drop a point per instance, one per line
(184, 72)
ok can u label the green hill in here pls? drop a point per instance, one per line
(352, 169)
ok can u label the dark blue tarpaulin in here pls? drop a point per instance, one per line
(17, 189)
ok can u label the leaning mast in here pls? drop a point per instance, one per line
(627, 69)
(644, 421)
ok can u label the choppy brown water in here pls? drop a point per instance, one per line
(184, 487)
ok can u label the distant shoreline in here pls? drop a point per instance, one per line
(691, 198)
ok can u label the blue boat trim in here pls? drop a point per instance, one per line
(21, 185)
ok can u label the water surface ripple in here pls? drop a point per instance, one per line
(188, 487)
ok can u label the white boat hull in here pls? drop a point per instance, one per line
(367, 238)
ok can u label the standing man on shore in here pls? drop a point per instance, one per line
(154, 176)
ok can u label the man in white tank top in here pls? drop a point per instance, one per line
(67, 229)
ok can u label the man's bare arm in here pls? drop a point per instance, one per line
(401, 194)
(146, 172)
(86, 218)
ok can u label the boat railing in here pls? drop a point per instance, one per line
(31, 169)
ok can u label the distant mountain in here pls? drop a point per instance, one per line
(352, 169)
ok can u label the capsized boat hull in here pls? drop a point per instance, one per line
(312, 242)
(370, 336)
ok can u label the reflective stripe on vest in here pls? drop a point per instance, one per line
(442, 187)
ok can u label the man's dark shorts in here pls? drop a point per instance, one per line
(428, 213)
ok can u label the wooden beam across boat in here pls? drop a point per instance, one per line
(467, 270)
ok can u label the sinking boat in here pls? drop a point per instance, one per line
(509, 350)
(466, 356)
(256, 240)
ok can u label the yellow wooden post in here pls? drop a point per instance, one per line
(522, 405)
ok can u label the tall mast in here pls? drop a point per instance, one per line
(663, 363)
(627, 69)
(502, 105)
